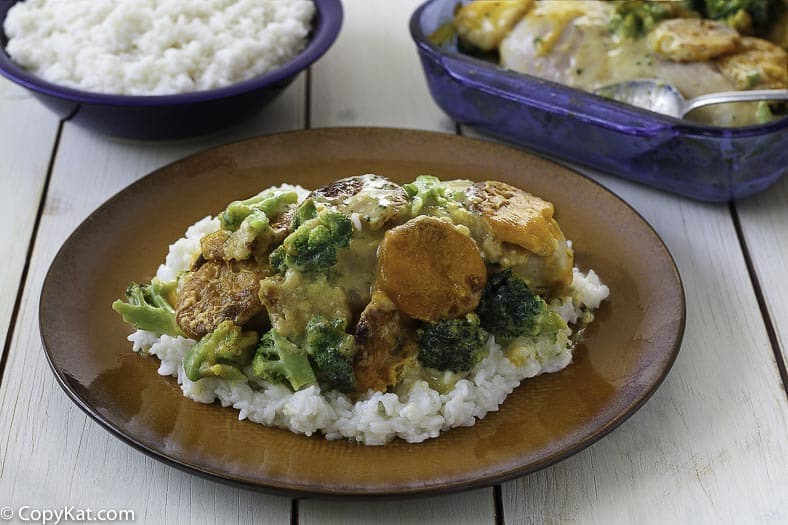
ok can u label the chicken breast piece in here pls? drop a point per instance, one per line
(515, 216)
(565, 41)
(525, 221)
(485, 23)
(756, 63)
(367, 199)
(692, 39)
(385, 345)
(431, 269)
(218, 291)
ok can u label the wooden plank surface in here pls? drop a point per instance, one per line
(764, 223)
(50, 452)
(28, 133)
(712, 444)
(473, 508)
(372, 75)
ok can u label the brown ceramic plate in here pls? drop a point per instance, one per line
(626, 354)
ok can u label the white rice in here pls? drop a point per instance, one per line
(415, 414)
(155, 47)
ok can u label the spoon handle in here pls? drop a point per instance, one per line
(734, 96)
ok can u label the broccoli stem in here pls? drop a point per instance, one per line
(271, 203)
(146, 308)
(424, 191)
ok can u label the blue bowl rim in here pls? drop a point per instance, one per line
(678, 125)
(329, 15)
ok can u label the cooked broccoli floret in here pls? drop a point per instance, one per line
(306, 211)
(312, 247)
(222, 353)
(278, 360)
(277, 260)
(634, 18)
(147, 307)
(255, 228)
(269, 202)
(331, 351)
(451, 344)
(745, 15)
(508, 309)
(426, 190)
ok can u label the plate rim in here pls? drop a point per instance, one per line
(323, 492)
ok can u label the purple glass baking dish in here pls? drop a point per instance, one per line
(175, 116)
(702, 162)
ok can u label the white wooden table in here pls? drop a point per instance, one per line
(710, 446)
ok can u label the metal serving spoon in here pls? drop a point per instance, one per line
(666, 99)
